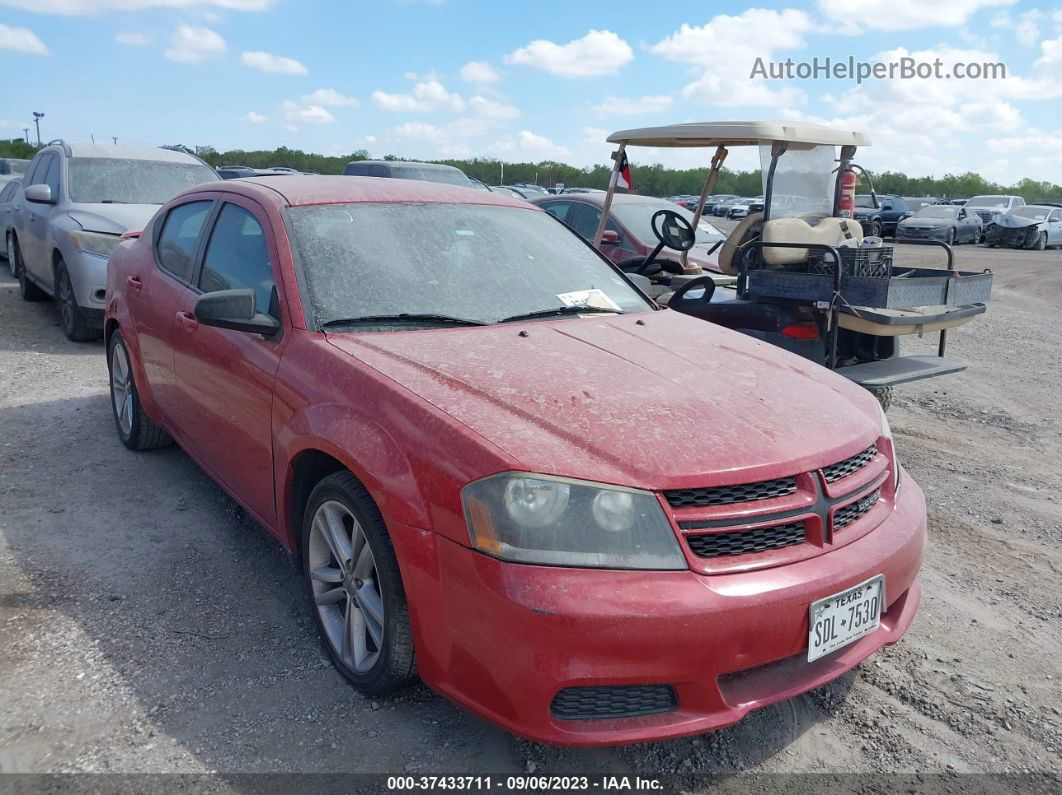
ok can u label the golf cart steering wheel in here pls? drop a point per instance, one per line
(673, 231)
(679, 300)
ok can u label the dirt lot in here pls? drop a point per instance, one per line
(147, 625)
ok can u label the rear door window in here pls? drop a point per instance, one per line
(180, 234)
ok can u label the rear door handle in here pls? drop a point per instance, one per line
(187, 319)
(134, 283)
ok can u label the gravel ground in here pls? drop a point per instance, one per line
(146, 624)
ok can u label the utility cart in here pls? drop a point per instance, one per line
(798, 285)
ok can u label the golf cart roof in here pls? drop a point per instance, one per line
(738, 133)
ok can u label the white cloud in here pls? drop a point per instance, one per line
(480, 73)
(294, 113)
(275, 64)
(368, 139)
(595, 136)
(132, 39)
(851, 16)
(529, 144)
(490, 109)
(427, 95)
(328, 96)
(599, 52)
(254, 118)
(21, 40)
(419, 131)
(632, 106)
(1027, 29)
(93, 7)
(194, 45)
(727, 48)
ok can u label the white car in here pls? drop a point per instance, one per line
(1032, 226)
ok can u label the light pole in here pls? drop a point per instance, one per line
(25, 132)
(37, 120)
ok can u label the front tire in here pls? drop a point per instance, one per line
(1041, 242)
(136, 431)
(874, 229)
(883, 395)
(27, 289)
(355, 587)
(950, 237)
(75, 326)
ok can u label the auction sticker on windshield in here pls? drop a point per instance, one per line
(845, 617)
(593, 297)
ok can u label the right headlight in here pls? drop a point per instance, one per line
(555, 521)
(886, 433)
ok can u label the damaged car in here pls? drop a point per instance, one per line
(1032, 226)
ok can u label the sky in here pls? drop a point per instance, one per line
(531, 81)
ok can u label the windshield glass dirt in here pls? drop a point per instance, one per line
(103, 179)
(469, 261)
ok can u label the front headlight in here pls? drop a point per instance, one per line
(886, 432)
(96, 243)
(560, 522)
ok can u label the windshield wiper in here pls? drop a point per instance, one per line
(403, 317)
(560, 311)
(112, 201)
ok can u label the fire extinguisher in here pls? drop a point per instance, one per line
(846, 203)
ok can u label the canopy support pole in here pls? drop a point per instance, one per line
(709, 183)
(617, 158)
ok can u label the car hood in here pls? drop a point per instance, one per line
(115, 219)
(699, 255)
(673, 403)
(1014, 221)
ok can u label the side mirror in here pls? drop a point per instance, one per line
(610, 237)
(234, 309)
(42, 194)
(962, 214)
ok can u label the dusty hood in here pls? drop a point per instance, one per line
(672, 403)
(113, 218)
(1014, 221)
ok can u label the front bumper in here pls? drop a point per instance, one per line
(503, 639)
(88, 276)
(1021, 237)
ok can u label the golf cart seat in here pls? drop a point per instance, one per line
(743, 232)
(828, 231)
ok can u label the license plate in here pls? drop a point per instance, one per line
(845, 617)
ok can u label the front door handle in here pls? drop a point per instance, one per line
(187, 320)
(134, 283)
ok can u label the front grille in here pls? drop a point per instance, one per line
(843, 469)
(612, 701)
(849, 513)
(725, 495)
(744, 542)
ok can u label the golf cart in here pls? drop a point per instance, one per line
(804, 282)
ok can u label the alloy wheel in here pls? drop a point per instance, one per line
(66, 302)
(122, 389)
(346, 587)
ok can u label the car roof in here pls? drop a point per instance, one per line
(298, 190)
(131, 153)
(405, 164)
(738, 133)
(599, 198)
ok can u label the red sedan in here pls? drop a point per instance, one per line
(495, 462)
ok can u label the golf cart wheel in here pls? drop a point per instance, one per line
(355, 587)
(1041, 242)
(883, 395)
(27, 289)
(75, 326)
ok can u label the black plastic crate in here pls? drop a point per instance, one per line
(875, 263)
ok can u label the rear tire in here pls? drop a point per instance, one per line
(135, 430)
(372, 647)
(75, 326)
(883, 395)
(27, 289)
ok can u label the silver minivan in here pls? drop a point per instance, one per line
(75, 203)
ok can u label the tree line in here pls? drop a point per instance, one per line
(649, 179)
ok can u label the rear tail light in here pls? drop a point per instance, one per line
(801, 331)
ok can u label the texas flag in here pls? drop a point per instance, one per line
(622, 174)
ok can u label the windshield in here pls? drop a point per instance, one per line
(126, 181)
(864, 200)
(1036, 213)
(449, 176)
(987, 201)
(804, 181)
(470, 261)
(638, 217)
(937, 211)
